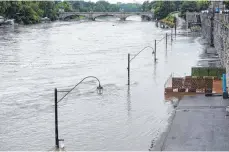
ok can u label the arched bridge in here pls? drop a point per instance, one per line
(94, 15)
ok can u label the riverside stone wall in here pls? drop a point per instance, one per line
(206, 27)
(192, 17)
(220, 36)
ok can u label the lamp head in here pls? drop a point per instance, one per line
(99, 89)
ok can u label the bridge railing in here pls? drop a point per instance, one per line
(106, 12)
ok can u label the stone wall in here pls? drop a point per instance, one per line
(192, 17)
(221, 40)
(220, 36)
(206, 27)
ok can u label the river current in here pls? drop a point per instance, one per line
(38, 58)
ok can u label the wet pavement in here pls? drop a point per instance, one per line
(199, 123)
(209, 56)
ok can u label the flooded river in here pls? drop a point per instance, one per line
(35, 59)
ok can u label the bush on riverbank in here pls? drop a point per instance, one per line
(162, 8)
(195, 28)
(30, 12)
(169, 20)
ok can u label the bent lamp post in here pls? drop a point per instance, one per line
(99, 91)
(129, 60)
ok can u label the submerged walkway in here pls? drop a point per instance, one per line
(200, 123)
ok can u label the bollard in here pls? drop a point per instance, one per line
(171, 35)
(128, 68)
(155, 51)
(166, 41)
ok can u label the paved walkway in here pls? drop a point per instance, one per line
(200, 123)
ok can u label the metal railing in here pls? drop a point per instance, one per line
(168, 82)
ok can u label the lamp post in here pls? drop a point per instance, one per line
(99, 91)
(129, 60)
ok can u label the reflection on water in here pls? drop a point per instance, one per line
(128, 101)
(38, 58)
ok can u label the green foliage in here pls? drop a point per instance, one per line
(208, 71)
(147, 6)
(195, 28)
(29, 15)
(163, 8)
(104, 6)
(194, 6)
(11, 8)
(30, 12)
(3, 7)
(169, 20)
(190, 6)
(66, 6)
(130, 7)
(50, 9)
(203, 4)
(226, 3)
(101, 6)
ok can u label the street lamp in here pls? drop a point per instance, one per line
(129, 60)
(99, 91)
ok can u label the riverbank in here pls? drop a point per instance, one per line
(169, 20)
(199, 123)
(190, 126)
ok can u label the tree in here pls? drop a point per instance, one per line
(177, 5)
(226, 3)
(76, 5)
(163, 8)
(29, 12)
(203, 4)
(29, 15)
(3, 7)
(130, 7)
(113, 8)
(146, 6)
(12, 8)
(65, 5)
(190, 6)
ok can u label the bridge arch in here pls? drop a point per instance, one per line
(143, 16)
(104, 15)
(72, 15)
(146, 17)
(94, 15)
